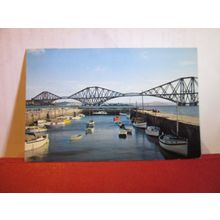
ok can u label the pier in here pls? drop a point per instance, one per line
(49, 113)
(188, 126)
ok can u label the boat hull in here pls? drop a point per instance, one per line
(76, 137)
(122, 133)
(152, 131)
(35, 144)
(178, 147)
(90, 130)
(140, 125)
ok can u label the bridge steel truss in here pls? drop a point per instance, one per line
(181, 91)
(95, 95)
(46, 97)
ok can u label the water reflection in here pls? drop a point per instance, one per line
(103, 144)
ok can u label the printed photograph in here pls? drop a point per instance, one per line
(111, 104)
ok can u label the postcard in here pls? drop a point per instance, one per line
(111, 104)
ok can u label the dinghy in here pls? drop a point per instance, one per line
(152, 131)
(76, 137)
(140, 124)
(122, 133)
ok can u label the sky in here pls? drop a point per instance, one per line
(66, 71)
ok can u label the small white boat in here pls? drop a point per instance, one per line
(35, 129)
(140, 124)
(33, 141)
(76, 137)
(100, 113)
(122, 133)
(42, 123)
(76, 117)
(91, 122)
(174, 144)
(81, 115)
(152, 131)
(56, 124)
(90, 128)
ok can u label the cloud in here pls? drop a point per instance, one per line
(187, 63)
(36, 51)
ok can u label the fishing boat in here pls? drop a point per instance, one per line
(100, 113)
(67, 121)
(116, 119)
(152, 131)
(56, 124)
(174, 143)
(35, 129)
(42, 123)
(122, 133)
(77, 117)
(91, 122)
(90, 128)
(33, 141)
(76, 137)
(140, 124)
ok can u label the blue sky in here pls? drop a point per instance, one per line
(66, 71)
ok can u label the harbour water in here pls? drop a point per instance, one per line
(103, 145)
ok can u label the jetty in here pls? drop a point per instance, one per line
(188, 126)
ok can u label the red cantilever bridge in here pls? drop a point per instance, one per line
(183, 91)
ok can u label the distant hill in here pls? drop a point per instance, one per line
(158, 103)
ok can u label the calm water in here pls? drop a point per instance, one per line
(104, 144)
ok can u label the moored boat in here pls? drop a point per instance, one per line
(122, 133)
(78, 117)
(67, 121)
(90, 128)
(42, 123)
(56, 124)
(100, 113)
(34, 141)
(140, 124)
(91, 122)
(35, 129)
(174, 144)
(116, 119)
(152, 131)
(76, 137)
(81, 115)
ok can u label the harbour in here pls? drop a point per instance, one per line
(104, 143)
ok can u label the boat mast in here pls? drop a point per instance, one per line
(142, 102)
(177, 120)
